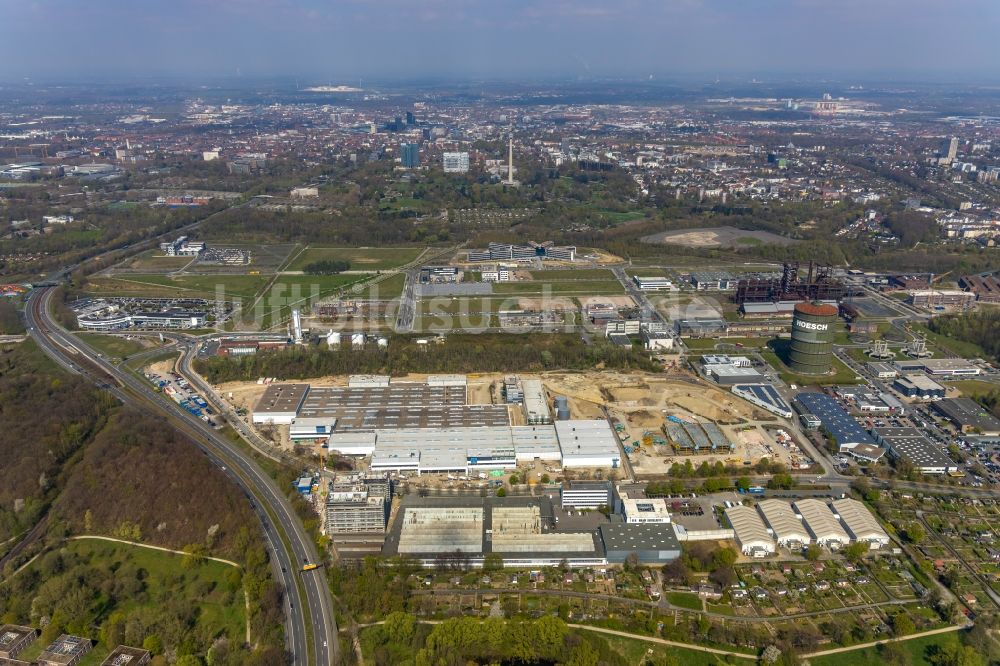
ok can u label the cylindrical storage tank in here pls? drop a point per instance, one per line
(562, 408)
(813, 326)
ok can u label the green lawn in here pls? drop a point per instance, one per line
(581, 287)
(112, 345)
(841, 375)
(960, 347)
(464, 304)
(916, 648)
(684, 600)
(635, 650)
(295, 291)
(195, 286)
(204, 586)
(304, 286)
(974, 387)
(618, 218)
(647, 271)
(560, 275)
(709, 344)
(361, 258)
(386, 290)
(153, 260)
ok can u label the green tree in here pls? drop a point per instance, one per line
(813, 552)
(901, 624)
(493, 562)
(914, 532)
(153, 643)
(401, 627)
(724, 557)
(856, 551)
(782, 481)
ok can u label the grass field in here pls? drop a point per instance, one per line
(112, 345)
(294, 291)
(302, 286)
(194, 286)
(729, 344)
(648, 271)
(154, 261)
(974, 387)
(386, 290)
(636, 651)
(566, 275)
(362, 259)
(960, 347)
(684, 600)
(841, 375)
(462, 304)
(577, 287)
(618, 218)
(916, 648)
(217, 611)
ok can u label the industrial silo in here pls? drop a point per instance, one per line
(811, 351)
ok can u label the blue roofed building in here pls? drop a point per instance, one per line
(764, 396)
(841, 426)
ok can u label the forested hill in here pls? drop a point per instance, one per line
(980, 328)
(77, 463)
(139, 479)
(106, 469)
(46, 417)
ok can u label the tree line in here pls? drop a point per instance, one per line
(327, 267)
(459, 354)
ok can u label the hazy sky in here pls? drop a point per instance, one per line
(342, 40)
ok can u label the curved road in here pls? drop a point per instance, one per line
(279, 522)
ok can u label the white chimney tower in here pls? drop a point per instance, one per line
(510, 160)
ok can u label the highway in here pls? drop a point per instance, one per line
(280, 524)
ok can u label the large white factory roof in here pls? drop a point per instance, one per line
(751, 534)
(822, 524)
(536, 408)
(280, 403)
(356, 381)
(860, 523)
(586, 443)
(447, 380)
(783, 522)
(639, 511)
(448, 448)
(352, 442)
(535, 441)
(442, 530)
(519, 530)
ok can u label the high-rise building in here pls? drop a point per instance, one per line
(456, 162)
(409, 155)
(410, 119)
(949, 150)
(357, 504)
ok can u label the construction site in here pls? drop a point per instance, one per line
(517, 423)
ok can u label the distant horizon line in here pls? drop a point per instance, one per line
(368, 83)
